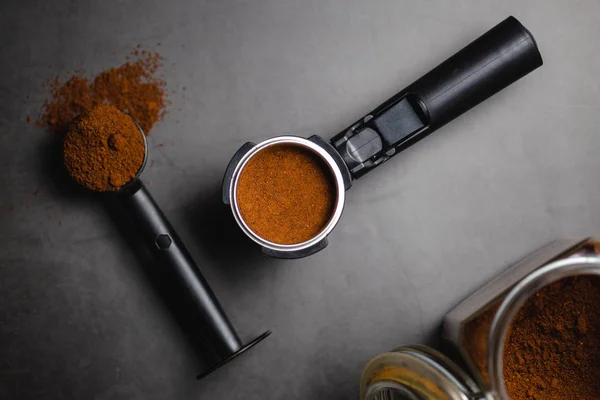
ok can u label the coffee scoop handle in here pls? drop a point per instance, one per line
(492, 62)
(165, 244)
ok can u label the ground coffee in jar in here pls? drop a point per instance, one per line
(286, 194)
(553, 348)
(103, 149)
(537, 324)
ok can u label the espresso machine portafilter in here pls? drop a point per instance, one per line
(498, 58)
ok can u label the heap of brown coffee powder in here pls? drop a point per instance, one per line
(103, 149)
(132, 87)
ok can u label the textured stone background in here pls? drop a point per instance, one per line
(79, 318)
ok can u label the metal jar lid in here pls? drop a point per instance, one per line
(416, 373)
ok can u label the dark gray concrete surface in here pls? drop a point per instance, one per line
(79, 318)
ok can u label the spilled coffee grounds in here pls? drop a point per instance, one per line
(132, 87)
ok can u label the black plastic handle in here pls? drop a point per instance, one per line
(500, 57)
(162, 239)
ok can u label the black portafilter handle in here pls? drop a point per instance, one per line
(164, 242)
(492, 62)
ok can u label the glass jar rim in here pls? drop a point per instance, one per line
(513, 302)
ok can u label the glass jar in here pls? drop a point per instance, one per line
(476, 330)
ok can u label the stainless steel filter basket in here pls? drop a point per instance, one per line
(339, 202)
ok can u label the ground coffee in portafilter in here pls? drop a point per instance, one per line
(286, 194)
(103, 149)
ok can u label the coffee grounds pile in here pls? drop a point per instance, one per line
(103, 149)
(132, 87)
(553, 349)
(286, 194)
